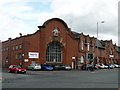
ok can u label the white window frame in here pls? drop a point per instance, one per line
(88, 46)
(82, 44)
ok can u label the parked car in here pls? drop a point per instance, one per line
(116, 65)
(62, 67)
(16, 69)
(58, 67)
(83, 67)
(67, 67)
(99, 66)
(105, 66)
(34, 67)
(87, 67)
(46, 67)
(110, 66)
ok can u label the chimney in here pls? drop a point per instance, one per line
(9, 38)
(20, 34)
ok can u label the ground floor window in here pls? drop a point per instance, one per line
(54, 52)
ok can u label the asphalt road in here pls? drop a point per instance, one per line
(62, 79)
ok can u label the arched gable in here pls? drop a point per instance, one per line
(58, 19)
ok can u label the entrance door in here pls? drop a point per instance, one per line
(33, 62)
(73, 64)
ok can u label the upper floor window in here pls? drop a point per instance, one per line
(88, 46)
(82, 44)
(16, 47)
(110, 52)
(6, 48)
(20, 46)
(90, 41)
(93, 48)
(13, 48)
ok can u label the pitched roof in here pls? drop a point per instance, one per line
(77, 35)
(99, 44)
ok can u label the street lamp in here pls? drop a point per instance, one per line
(97, 39)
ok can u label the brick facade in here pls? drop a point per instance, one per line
(74, 47)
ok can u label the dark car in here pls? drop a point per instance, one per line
(87, 67)
(16, 69)
(59, 67)
(84, 67)
(62, 67)
(46, 67)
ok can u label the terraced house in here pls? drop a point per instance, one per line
(56, 43)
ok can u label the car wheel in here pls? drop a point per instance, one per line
(24, 72)
(44, 69)
(32, 69)
(16, 71)
(8, 71)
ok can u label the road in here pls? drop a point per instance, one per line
(62, 79)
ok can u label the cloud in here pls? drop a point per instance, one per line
(81, 15)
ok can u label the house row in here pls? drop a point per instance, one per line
(55, 43)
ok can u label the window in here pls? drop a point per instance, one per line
(93, 48)
(88, 46)
(54, 52)
(91, 41)
(16, 56)
(1, 49)
(16, 47)
(82, 45)
(13, 48)
(110, 52)
(6, 48)
(20, 46)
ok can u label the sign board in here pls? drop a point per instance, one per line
(73, 57)
(33, 55)
(111, 56)
(26, 60)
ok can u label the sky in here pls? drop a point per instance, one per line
(23, 16)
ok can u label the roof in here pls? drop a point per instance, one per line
(77, 35)
(99, 44)
(58, 19)
(118, 49)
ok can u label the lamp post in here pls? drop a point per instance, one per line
(97, 39)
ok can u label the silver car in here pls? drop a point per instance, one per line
(34, 67)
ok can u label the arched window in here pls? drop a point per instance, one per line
(54, 52)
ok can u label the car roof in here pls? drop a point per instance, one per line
(13, 65)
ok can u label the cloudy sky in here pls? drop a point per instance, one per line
(23, 16)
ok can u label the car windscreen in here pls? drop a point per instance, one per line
(17, 66)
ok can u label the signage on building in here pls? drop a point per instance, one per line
(111, 56)
(73, 57)
(33, 55)
(26, 60)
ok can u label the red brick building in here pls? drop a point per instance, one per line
(56, 43)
